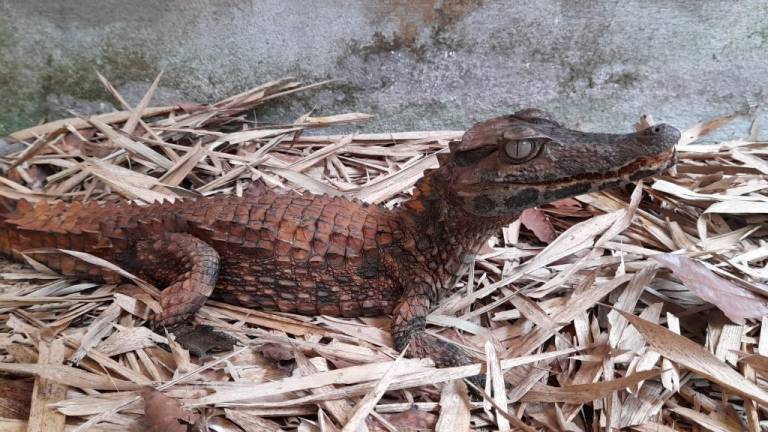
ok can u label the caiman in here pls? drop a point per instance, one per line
(316, 254)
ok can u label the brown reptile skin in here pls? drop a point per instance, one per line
(328, 255)
(308, 255)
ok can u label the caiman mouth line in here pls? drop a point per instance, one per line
(644, 163)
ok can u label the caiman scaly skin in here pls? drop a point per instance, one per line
(327, 255)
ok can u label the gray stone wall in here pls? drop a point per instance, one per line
(416, 64)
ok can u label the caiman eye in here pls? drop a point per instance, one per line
(519, 151)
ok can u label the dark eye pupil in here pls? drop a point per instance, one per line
(519, 149)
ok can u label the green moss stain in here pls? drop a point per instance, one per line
(16, 110)
(27, 82)
(75, 74)
(6, 35)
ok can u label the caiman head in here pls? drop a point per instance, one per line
(507, 164)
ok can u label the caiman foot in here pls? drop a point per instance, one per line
(186, 265)
(444, 354)
(179, 303)
(409, 329)
(201, 340)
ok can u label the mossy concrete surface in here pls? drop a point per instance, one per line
(416, 64)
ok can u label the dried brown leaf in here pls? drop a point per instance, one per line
(15, 398)
(251, 422)
(415, 420)
(455, 405)
(538, 222)
(737, 303)
(70, 376)
(78, 123)
(701, 129)
(583, 393)
(364, 407)
(164, 414)
(693, 356)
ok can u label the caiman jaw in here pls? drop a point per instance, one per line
(633, 171)
(507, 164)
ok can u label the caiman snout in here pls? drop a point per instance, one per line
(664, 134)
(667, 136)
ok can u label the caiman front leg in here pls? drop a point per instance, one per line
(409, 330)
(186, 265)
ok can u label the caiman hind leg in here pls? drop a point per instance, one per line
(186, 265)
(409, 330)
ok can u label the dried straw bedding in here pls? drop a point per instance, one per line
(639, 309)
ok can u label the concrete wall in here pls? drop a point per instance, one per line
(416, 64)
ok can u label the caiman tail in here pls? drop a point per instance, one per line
(44, 227)
(10, 210)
